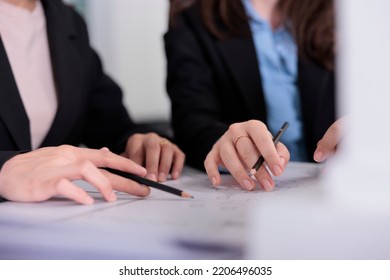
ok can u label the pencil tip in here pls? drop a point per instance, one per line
(186, 195)
(252, 172)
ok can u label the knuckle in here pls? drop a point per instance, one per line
(258, 124)
(234, 128)
(66, 148)
(253, 123)
(106, 153)
(246, 154)
(153, 135)
(137, 137)
(63, 153)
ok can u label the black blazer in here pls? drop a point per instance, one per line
(214, 83)
(90, 109)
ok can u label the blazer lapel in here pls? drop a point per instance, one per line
(312, 81)
(316, 86)
(11, 105)
(67, 73)
(240, 57)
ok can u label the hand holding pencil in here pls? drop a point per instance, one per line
(240, 148)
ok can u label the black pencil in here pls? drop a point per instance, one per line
(275, 139)
(149, 183)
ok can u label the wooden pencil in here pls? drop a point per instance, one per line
(275, 139)
(149, 183)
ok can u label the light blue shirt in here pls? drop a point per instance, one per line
(278, 65)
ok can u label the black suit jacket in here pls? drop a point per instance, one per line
(214, 83)
(90, 109)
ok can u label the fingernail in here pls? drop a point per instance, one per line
(283, 161)
(277, 170)
(88, 200)
(318, 156)
(142, 169)
(214, 181)
(146, 189)
(151, 177)
(248, 185)
(112, 197)
(162, 177)
(266, 185)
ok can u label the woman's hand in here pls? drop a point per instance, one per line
(238, 150)
(328, 144)
(47, 172)
(157, 154)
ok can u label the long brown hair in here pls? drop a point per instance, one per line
(312, 23)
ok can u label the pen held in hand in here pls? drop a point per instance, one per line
(149, 183)
(275, 139)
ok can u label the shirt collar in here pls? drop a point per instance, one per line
(252, 14)
(255, 18)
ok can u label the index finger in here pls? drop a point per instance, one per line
(105, 158)
(327, 144)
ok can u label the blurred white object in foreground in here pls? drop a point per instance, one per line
(346, 215)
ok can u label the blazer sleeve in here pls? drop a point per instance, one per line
(108, 123)
(195, 107)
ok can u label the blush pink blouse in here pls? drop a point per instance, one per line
(24, 36)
